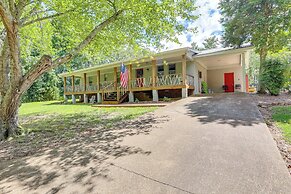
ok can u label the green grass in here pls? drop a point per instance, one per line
(67, 119)
(282, 117)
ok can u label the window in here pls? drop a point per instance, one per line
(160, 70)
(172, 68)
(200, 74)
(105, 77)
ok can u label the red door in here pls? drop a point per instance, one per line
(229, 82)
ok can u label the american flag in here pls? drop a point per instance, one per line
(123, 76)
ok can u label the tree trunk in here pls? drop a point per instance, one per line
(263, 56)
(9, 125)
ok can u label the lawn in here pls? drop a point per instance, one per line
(55, 117)
(53, 125)
(282, 116)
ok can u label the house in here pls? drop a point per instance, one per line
(175, 73)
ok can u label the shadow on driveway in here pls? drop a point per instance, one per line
(72, 165)
(231, 109)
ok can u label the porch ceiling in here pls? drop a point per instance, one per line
(220, 61)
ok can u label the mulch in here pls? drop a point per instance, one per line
(265, 104)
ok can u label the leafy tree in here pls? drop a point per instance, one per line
(195, 46)
(264, 23)
(210, 43)
(273, 76)
(85, 26)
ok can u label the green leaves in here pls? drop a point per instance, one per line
(264, 23)
(273, 76)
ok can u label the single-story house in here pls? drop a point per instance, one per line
(175, 73)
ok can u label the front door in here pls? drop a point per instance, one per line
(229, 82)
(139, 77)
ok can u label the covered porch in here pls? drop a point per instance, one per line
(166, 72)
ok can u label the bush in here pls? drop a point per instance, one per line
(166, 99)
(273, 76)
(204, 87)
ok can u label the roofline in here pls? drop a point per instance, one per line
(226, 51)
(164, 54)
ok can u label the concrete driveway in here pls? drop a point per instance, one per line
(217, 144)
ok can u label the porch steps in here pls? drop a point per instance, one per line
(111, 98)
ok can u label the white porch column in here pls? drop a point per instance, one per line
(65, 99)
(196, 79)
(155, 96)
(99, 98)
(73, 99)
(86, 99)
(184, 92)
(130, 97)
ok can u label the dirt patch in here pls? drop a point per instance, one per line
(265, 104)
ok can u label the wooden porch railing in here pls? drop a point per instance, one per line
(109, 86)
(169, 80)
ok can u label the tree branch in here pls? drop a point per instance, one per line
(46, 63)
(6, 18)
(44, 18)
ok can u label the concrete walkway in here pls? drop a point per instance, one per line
(216, 144)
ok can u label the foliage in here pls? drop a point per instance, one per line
(282, 117)
(44, 89)
(210, 43)
(273, 76)
(264, 23)
(166, 99)
(253, 69)
(204, 87)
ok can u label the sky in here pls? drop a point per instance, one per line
(207, 25)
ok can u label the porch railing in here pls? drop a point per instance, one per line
(190, 80)
(142, 82)
(109, 86)
(91, 88)
(169, 80)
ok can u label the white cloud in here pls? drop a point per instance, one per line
(206, 24)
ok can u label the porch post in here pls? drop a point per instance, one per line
(99, 95)
(85, 82)
(154, 73)
(184, 69)
(73, 83)
(115, 78)
(98, 81)
(154, 80)
(130, 96)
(243, 64)
(65, 84)
(184, 92)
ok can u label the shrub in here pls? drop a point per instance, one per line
(204, 87)
(166, 99)
(273, 76)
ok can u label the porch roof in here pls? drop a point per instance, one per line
(159, 56)
(219, 57)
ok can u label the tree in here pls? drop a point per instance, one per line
(210, 43)
(87, 25)
(263, 23)
(273, 76)
(195, 46)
